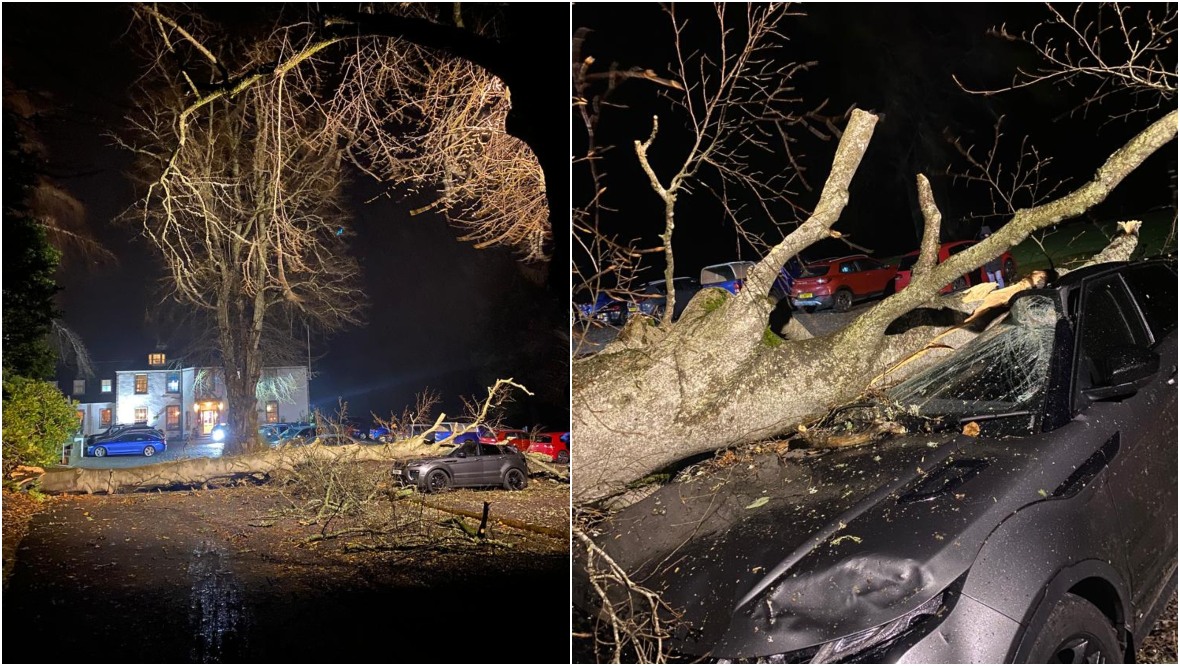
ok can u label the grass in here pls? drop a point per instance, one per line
(1075, 242)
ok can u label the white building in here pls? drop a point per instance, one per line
(184, 402)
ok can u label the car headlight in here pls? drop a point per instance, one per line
(218, 435)
(869, 645)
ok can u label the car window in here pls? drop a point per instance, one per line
(816, 270)
(869, 264)
(907, 262)
(1154, 289)
(715, 274)
(1109, 321)
(848, 267)
(491, 450)
(470, 448)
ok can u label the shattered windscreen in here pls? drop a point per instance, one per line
(1004, 370)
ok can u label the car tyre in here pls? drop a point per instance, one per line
(100, 452)
(514, 479)
(842, 301)
(438, 481)
(1076, 632)
(149, 451)
(563, 457)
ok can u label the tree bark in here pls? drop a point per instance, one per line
(718, 378)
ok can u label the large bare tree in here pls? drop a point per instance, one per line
(243, 204)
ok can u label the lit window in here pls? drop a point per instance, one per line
(106, 386)
(173, 385)
(173, 417)
(105, 414)
(141, 415)
(272, 411)
(79, 386)
(155, 359)
(140, 384)
(81, 416)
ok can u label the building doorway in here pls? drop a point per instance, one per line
(209, 419)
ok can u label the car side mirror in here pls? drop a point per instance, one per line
(1122, 372)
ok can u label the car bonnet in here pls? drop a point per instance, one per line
(782, 553)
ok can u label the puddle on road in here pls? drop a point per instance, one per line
(215, 607)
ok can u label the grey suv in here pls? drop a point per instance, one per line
(1031, 517)
(468, 465)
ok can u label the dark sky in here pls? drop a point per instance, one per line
(894, 59)
(442, 314)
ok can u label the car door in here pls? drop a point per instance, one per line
(124, 444)
(466, 469)
(491, 464)
(1142, 476)
(876, 275)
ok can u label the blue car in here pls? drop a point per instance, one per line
(128, 444)
(731, 276)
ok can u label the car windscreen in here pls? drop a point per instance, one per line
(1005, 369)
(814, 270)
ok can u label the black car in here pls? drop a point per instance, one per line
(1034, 520)
(654, 298)
(470, 464)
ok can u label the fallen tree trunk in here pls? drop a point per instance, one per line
(214, 471)
(720, 378)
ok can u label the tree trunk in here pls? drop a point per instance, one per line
(719, 377)
(243, 411)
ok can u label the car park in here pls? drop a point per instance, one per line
(1030, 518)
(130, 442)
(471, 464)
(840, 282)
(946, 251)
(556, 445)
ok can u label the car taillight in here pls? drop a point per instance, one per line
(737, 287)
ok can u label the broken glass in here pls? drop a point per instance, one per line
(1004, 370)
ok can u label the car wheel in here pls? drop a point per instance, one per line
(438, 481)
(563, 457)
(149, 451)
(514, 479)
(100, 452)
(959, 284)
(842, 301)
(1076, 632)
(1009, 271)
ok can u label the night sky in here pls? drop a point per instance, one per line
(442, 314)
(893, 59)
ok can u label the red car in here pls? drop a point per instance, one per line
(556, 445)
(517, 438)
(946, 251)
(837, 283)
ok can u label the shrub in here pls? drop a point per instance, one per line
(38, 419)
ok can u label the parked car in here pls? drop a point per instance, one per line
(479, 433)
(512, 437)
(556, 445)
(131, 442)
(470, 464)
(333, 439)
(838, 283)
(1034, 522)
(116, 430)
(654, 296)
(946, 251)
(297, 435)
